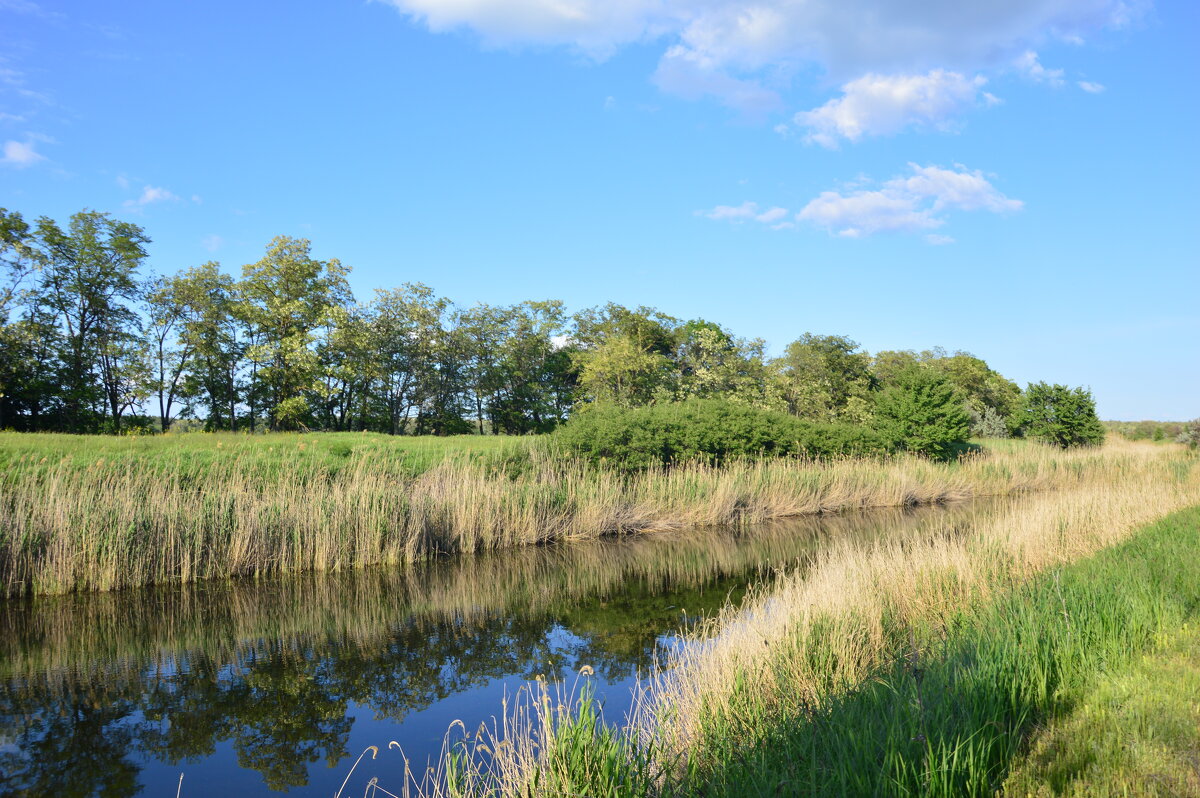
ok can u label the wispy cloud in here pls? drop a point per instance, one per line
(21, 154)
(880, 105)
(151, 195)
(1027, 64)
(910, 203)
(748, 211)
(743, 51)
(1092, 88)
(212, 242)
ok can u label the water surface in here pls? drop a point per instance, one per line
(253, 687)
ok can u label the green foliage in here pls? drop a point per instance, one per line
(922, 413)
(706, 430)
(1062, 416)
(826, 378)
(1191, 434)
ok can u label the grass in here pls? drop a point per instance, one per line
(1136, 732)
(912, 667)
(948, 718)
(84, 513)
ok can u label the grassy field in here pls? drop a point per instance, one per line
(899, 668)
(88, 513)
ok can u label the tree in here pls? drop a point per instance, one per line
(209, 328)
(89, 280)
(285, 297)
(1062, 416)
(923, 413)
(826, 378)
(405, 326)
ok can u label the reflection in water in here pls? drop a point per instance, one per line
(258, 681)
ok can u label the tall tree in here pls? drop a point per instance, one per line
(826, 378)
(209, 328)
(286, 296)
(90, 281)
(405, 328)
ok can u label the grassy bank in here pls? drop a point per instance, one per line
(905, 668)
(1136, 732)
(80, 513)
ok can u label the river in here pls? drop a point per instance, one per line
(256, 686)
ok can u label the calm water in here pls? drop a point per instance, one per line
(252, 687)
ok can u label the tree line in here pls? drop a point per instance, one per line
(92, 341)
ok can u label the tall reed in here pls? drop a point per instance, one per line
(825, 632)
(171, 516)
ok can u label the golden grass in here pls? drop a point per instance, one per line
(825, 629)
(126, 521)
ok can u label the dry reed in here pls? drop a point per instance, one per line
(126, 522)
(825, 629)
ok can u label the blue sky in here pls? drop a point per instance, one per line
(1016, 178)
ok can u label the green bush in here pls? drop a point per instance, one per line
(922, 413)
(708, 431)
(1062, 416)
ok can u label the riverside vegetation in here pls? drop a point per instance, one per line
(83, 513)
(915, 668)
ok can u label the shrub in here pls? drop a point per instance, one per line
(708, 431)
(922, 413)
(1191, 433)
(1060, 415)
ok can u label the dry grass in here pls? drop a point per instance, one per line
(829, 628)
(826, 629)
(72, 525)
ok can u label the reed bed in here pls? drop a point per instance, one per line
(826, 632)
(171, 516)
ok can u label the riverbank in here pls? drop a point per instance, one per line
(81, 513)
(913, 668)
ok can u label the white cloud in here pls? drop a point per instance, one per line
(749, 210)
(880, 105)
(747, 40)
(151, 195)
(938, 240)
(684, 73)
(732, 212)
(1092, 88)
(21, 154)
(772, 215)
(911, 203)
(1029, 65)
(212, 242)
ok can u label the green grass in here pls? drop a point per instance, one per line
(271, 455)
(1135, 733)
(950, 717)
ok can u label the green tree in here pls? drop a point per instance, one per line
(405, 326)
(713, 364)
(826, 378)
(285, 297)
(923, 413)
(89, 281)
(1061, 415)
(209, 328)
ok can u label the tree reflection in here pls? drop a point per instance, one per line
(89, 687)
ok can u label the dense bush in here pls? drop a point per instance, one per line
(709, 431)
(922, 413)
(1062, 416)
